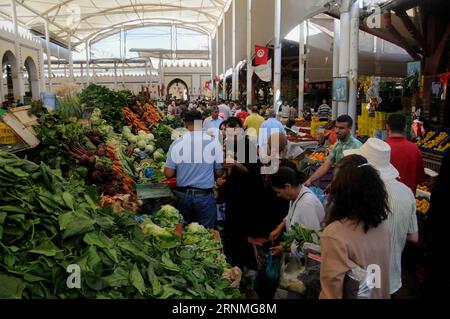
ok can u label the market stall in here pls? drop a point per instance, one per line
(92, 193)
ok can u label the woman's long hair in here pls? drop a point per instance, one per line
(357, 193)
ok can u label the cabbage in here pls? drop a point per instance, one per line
(142, 133)
(196, 228)
(150, 149)
(137, 150)
(167, 216)
(159, 156)
(157, 231)
(126, 129)
(150, 137)
(127, 135)
(132, 139)
(141, 144)
(141, 138)
(106, 129)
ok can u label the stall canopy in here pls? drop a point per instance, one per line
(376, 56)
(86, 19)
(172, 54)
(292, 12)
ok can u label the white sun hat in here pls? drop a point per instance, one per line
(378, 154)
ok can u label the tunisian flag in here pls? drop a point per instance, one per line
(261, 55)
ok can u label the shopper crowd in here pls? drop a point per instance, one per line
(364, 224)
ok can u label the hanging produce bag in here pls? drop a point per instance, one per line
(268, 277)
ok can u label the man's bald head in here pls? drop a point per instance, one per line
(279, 138)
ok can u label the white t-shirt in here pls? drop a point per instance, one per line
(306, 210)
(285, 110)
(212, 126)
(402, 221)
(225, 109)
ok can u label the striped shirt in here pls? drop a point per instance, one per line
(402, 221)
(324, 111)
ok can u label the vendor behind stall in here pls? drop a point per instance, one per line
(345, 141)
(304, 209)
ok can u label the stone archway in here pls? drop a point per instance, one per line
(9, 86)
(176, 87)
(33, 78)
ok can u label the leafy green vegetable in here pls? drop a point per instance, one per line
(300, 235)
(109, 102)
(48, 222)
(11, 287)
(163, 136)
(167, 216)
(69, 106)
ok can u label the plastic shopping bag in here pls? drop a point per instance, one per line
(268, 277)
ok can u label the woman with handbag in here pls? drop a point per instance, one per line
(304, 209)
(355, 242)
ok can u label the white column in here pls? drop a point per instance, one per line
(2, 94)
(70, 58)
(211, 76)
(216, 85)
(123, 72)
(353, 63)
(336, 44)
(301, 67)
(122, 54)
(233, 79)
(344, 48)
(81, 72)
(18, 81)
(150, 77)
(87, 63)
(236, 80)
(160, 76)
(249, 53)
(173, 40)
(277, 58)
(49, 56)
(224, 64)
(146, 73)
(115, 76)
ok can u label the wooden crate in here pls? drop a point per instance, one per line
(22, 124)
(149, 191)
(432, 161)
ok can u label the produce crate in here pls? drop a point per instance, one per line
(5, 130)
(21, 123)
(432, 161)
(152, 191)
(10, 140)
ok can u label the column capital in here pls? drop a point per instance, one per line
(345, 5)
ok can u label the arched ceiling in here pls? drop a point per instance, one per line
(83, 20)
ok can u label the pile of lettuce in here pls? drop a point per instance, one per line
(196, 260)
(48, 223)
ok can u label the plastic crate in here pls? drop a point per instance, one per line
(151, 191)
(5, 130)
(10, 140)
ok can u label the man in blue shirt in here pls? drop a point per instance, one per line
(211, 124)
(195, 159)
(269, 127)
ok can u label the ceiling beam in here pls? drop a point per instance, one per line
(153, 8)
(415, 33)
(394, 32)
(43, 17)
(385, 36)
(147, 22)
